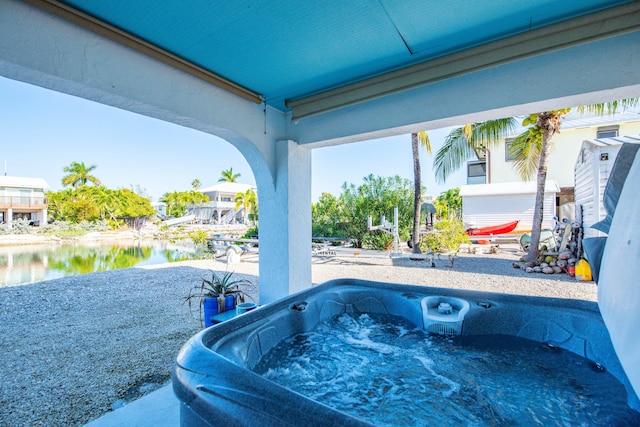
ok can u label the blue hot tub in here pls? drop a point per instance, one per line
(214, 375)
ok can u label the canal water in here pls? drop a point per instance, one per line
(22, 265)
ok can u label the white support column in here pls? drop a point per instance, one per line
(9, 218)
(285, 224)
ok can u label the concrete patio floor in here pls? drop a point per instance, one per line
(160, 408)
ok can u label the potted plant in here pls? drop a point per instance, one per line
(218, 294)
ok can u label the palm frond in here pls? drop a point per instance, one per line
(423, 141)
(526, 148)
(609, 107)
(453, 153)
(491, 132)
(463, 143)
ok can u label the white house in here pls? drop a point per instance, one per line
(161, 209)
(592, 171)
(496, 165)
(566, 146)
(222, 204)
(23, 198)
(493, 204)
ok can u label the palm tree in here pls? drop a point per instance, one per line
(419, 139)
(79, 175)
(229, 176)
(196, 184)
(248, 200)
(467, 142)
(531, 149)
(175, 207)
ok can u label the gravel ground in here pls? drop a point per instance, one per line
(77, 347)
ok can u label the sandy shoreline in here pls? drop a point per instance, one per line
(75, 348)
(150, 231)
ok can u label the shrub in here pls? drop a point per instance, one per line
(198, 237)
(19, 226)
(346, 216)
(378, 240)
(251, 233)
(446, 237)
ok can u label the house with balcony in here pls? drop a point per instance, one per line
(23, 198)
(222, 203)
(493, 169)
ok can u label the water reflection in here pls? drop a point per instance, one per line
(20, 265)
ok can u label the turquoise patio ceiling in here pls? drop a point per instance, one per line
(289, 49)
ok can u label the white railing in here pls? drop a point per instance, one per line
(23, 201)
(229, 216)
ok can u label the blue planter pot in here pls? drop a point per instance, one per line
(210, 308)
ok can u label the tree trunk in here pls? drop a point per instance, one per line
(550, 123)
(417, 196)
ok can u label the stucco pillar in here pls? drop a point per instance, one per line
(285, 224)
(9, 218)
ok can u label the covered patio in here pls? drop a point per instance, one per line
(278, 80)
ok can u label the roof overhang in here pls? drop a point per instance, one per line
(336, 93)
(607, 23)
(506, 189)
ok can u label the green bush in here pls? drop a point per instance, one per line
(378, 240)
(58, 228)
(198, 237)
(346, 216)
(19, 226)
(446, 237)
(449, 204)
(251, 233)
(93, 204)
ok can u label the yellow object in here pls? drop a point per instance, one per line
(583, 271)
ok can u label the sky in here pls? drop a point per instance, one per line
(42, 131)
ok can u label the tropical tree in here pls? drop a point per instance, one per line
(229, 176)
(419, 139)
(376, 196)
(346, 216)
(325, 217)
(531, 149)
(132, 205)
(468, 141)
(195, 184)
(178, 201)
(249, 201)
(449, 204)
(78, 175)
(91, 204)
(140, 191)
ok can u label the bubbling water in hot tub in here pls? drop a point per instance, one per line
(352, 352)
(379, 368)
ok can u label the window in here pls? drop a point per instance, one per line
(607, 131)
(508, 157)
(477, 172)
(25, 197)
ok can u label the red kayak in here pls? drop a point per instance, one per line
(493, 229)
